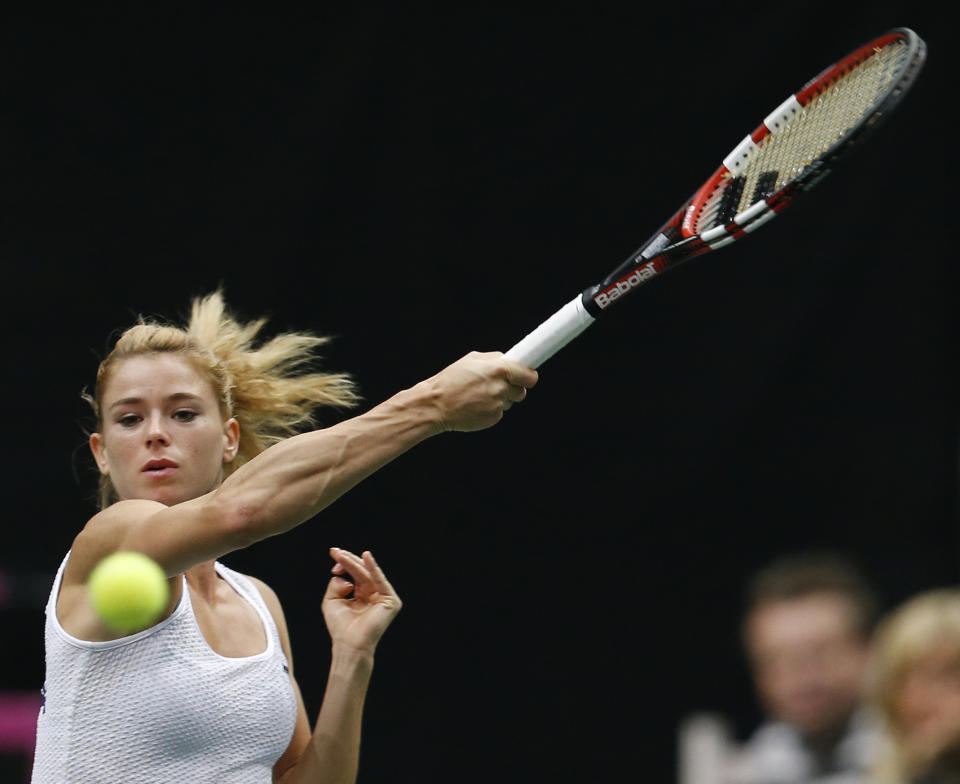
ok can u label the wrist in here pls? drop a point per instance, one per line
(346, 659)
(425, 397)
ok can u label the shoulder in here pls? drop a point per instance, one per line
(118, 516)
(773, 734)
(104, 533)
(774, 746)
(863, 740)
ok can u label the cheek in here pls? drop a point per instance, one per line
(919, 701)
(910, 706)
(208, 448)
(116, 447)
(947, 700)
(773, 684)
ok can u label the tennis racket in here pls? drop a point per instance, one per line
(794, 148)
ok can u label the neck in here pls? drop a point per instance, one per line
(203, 579)
(823, 744)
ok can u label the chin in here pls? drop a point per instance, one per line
(169, 496)
(822, 724)
(173, 490)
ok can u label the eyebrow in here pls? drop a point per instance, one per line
(175, 397)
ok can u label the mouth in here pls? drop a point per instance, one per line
(159, 467)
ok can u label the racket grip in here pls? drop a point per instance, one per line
(552, 335)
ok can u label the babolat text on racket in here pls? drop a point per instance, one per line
(797, 144)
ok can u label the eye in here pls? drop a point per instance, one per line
(128, 420)
(184, 415)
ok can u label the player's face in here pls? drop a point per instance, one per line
(808, 661)
(163, 437)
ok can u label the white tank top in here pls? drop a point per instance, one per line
(161, 705)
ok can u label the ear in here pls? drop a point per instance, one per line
(231, 439)
(99, 453)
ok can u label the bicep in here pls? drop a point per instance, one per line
(106, 533)
(176, 537)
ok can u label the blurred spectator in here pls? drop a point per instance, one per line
(806, 632)
(916, 690)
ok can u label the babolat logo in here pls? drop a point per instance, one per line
(621, 287)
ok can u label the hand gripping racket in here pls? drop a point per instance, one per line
(794, 148)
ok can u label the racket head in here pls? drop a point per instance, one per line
(799, 142)
(789, 153)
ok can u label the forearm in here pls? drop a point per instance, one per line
(333, 754)
(293, 480)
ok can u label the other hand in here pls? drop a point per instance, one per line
(359, 610)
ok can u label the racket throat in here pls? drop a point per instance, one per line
(641, 267)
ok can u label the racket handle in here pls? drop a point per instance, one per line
(552, 335)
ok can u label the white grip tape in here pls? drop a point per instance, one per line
(552, 335)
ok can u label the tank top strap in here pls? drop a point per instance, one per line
(245, 587)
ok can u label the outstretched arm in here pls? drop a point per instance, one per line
(356, 614)
(295, 479)
(292, 481)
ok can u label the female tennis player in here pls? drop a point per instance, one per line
(200, 453)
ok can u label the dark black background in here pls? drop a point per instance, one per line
(420, 181)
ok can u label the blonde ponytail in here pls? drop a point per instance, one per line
(269, 388)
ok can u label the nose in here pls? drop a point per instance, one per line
(156, 432)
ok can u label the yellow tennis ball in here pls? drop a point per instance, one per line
(128, 590)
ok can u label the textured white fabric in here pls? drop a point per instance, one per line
(162, 705)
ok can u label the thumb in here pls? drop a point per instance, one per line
(338, 588)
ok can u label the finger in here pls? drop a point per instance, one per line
(352, 564)
(342, 558)
(345, 558)
(337, 567)
(338, 588)
(520, 375)
(379, 578)
(515, 394)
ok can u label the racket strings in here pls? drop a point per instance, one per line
(831, 114)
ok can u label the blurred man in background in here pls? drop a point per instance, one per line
(806, 632)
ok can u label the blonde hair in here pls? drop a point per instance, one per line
(917, 627)
(269, 388)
